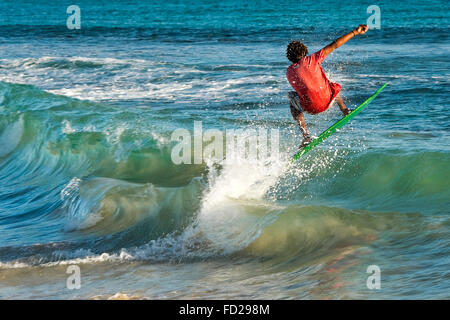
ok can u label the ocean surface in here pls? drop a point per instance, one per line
(87, 178)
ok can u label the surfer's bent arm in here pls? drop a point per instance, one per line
(362, 28)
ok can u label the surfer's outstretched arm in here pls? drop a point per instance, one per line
(362, 28)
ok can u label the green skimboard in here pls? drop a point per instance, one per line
(336, 126)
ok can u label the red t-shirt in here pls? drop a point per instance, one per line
(312, 85)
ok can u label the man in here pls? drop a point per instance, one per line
(314, 93)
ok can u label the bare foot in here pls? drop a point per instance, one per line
(346, 111)
(305, 142)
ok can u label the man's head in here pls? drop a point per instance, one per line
(295, 51)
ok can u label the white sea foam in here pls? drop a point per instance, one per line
(125, 79)
(227, 218)
(13, 265)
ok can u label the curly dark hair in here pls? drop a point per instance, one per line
(296, 50)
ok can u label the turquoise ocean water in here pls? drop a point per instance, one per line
(86, 176)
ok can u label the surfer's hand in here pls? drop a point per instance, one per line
(346, 112)
(362, 28)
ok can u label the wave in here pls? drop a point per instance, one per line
(10, 137)
(104, 184)
(294, 236)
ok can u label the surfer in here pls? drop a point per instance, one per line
(314, 93)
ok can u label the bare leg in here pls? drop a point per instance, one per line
(300, 118)
(342, 105)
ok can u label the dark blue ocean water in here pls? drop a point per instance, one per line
(86, 176)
